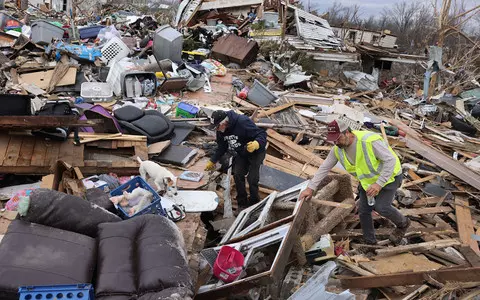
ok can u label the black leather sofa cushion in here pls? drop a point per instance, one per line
(141, 256)
(67, 212)
(150, 123)
(33, 254)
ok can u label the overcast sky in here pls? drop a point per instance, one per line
(368, 7)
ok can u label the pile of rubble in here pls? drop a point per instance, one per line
(89, 94)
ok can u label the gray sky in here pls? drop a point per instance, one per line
(368, 7)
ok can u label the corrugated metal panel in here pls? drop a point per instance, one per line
(315, 30)
(228, 3)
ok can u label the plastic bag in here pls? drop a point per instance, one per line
(107, 34)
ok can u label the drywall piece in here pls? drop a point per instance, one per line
(405, 262)
(445, 162)
(181, 132)
(277, 180)
(177, 155)
(197, 201)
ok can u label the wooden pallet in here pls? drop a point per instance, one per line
(23, 154)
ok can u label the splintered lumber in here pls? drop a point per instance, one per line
(425, 211)
(331, 203)
(352, 233)
(405, 262)
(295, 151)
(423, 202)
(411, 278)
(445, 162)
(31, 122)
(418, 247)
(464, 223)
(334, 218)
(421, 180)
(274, 110)
(100, 138)
(243, 103)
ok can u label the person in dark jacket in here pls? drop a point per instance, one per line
(239, 133)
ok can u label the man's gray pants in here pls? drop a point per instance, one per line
(383, 205)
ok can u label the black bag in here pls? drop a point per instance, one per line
(57, 108)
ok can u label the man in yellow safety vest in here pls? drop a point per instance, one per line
(367, 157)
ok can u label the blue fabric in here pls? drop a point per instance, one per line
(239, 132)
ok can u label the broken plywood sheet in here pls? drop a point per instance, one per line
(405, 262)
(158, 148)
(42, 79)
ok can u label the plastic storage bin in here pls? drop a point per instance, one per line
(70, 292)
(43, 32)
(96, 92)
(139, 84)
(114, 50)
(15, 105)
(154, 208)
(186, 110)
(90, 32)
(260, 95)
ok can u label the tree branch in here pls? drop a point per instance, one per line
(466, 12)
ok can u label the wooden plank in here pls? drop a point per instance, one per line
(243, 103)
(464, 223)
(385, 232)
(39, 153)
(274, 110)
(418, 247)
(78, 155)
(412, 175)
(141, 150)
(411, 278)
(331, 203)
(65, 152)
(425, 211)
(445, 162)
(405, 262)
(26, 151)
(51, 155)
(4, 140)
(423, 202)
(415, 182)
(30, 122)
(13, 151)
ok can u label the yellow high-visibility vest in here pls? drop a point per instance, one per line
(366, 167)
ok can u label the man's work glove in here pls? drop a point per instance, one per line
(252, 146)
(210, 166)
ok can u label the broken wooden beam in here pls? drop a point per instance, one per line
(274, 110)
(418, 247)
(464, 223)
(445, 162)
(34, 122)
(425, 210)
(411, 278)
(334, 218)
(331, 203)
(384, 232)
(421, 180)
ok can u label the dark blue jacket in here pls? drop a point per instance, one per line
(239, 132)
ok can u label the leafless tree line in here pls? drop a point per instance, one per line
(417, 24)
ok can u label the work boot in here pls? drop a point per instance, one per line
(398, 233)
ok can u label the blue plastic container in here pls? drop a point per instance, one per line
(67, 292)
(90, 32)
(154, 208)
